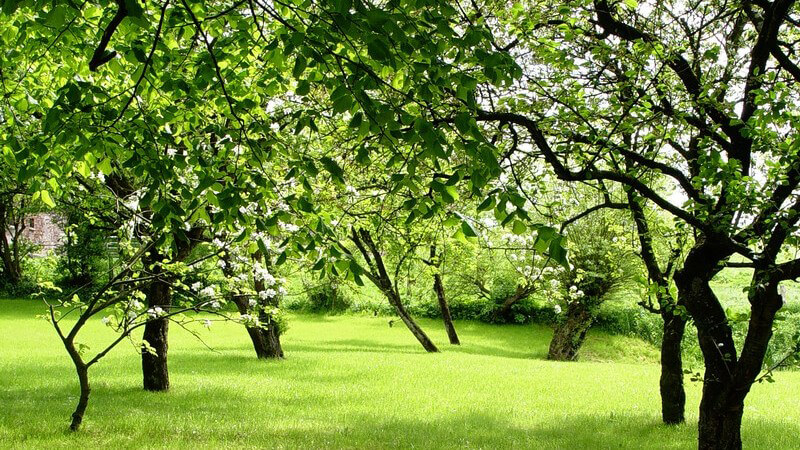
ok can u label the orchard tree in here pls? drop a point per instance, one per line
(707, 90)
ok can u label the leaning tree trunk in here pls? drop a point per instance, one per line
(438, 287)
(673, 396)
(154, 359)
(446, 317)
(412, 325)
(380, 278)
(570, 334)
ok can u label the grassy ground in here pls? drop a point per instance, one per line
(354, 382)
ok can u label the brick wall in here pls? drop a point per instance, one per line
(44, 230)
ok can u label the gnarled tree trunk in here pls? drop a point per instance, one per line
(570, 334)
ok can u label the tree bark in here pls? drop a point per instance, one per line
(155, 373)
(266, 339)
(673, 396)
(720, 418)
(446, 317)
(154, 366)
(83, 399)
(570, 334)
(438, 287)
(522, 292)
(9, 251)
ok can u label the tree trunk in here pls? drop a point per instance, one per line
(380, 278)
(415, 329)
(154, 366)
(720, 416)
(83, 399)
(504, 312)
(448, 320)
(570, 334)
(266, 339)
(12, 273)
(673, 396)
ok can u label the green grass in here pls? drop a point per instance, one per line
(354, 382)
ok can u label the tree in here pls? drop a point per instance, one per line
(708, 123)
(438, 287)
(600, 263)
(673, 315)
(13, 248)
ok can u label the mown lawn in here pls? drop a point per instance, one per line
(354, 382)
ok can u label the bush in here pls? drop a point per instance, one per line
(34, 269)
(324, 297)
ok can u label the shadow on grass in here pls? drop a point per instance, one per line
(217, 417)
(235, 400)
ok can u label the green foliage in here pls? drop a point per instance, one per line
(324, 296)
(85, 258)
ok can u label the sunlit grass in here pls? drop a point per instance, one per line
(355, 382)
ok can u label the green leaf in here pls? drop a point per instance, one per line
(377, 49)
(45, 196)
(303, 87)
(9, 6)
(333, 167)
(467, 229)
(299, 66)
(519, 227)
(487, 204)
(342, 103)
(557, 252)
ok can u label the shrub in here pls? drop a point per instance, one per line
(324, 297)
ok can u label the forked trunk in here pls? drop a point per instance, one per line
(719, 423)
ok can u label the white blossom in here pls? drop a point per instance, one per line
(208, 291)
(557, 309)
